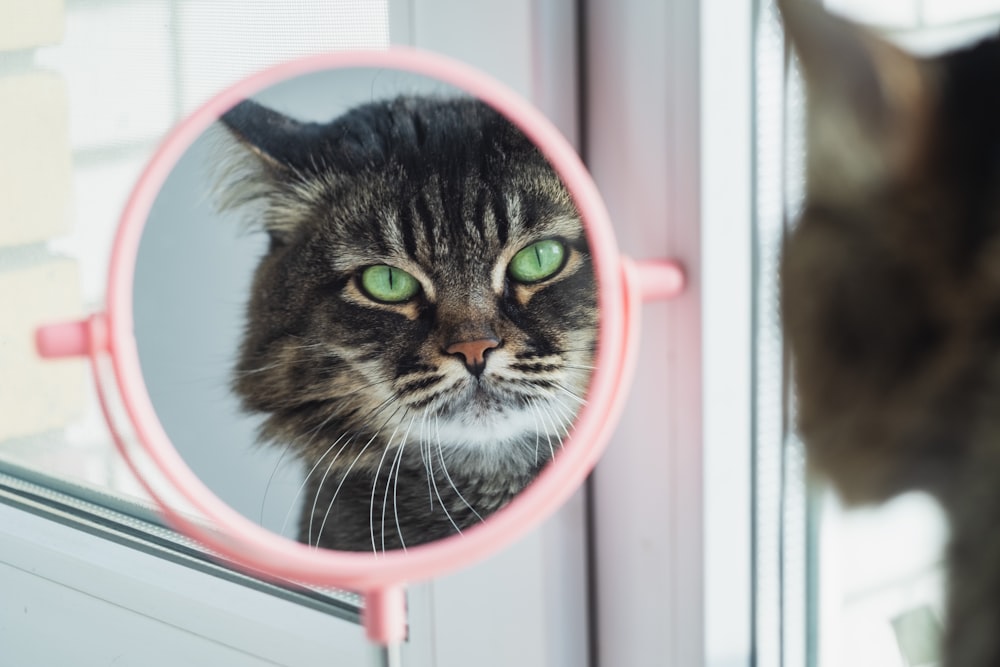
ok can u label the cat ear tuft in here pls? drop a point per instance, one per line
(869, 101)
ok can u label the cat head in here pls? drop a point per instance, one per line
(890, 287)
(428, 278)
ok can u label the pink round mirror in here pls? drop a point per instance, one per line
(431, 326)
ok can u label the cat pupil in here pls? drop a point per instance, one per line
(414, 419)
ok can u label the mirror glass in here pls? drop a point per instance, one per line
(365, 309)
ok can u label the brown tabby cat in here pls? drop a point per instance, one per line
(891, 292)
(421, 332)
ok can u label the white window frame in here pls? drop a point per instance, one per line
(669, 140)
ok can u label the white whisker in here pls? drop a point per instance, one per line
(254, 371)
(443, 506)
(329, 507)
(427, 466)
(447, 476)
(579, 367)
(565, 414)
(322, 483)
(371, 505)
(270, 481)
(548, 438)
(305, 481)
(395, 510)
(570, 393)
(538, 427)
(329, 467)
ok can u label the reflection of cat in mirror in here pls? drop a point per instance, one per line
(422, 329)
(891, 292)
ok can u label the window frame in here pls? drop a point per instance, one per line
(669, 138)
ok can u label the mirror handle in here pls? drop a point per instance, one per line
(78, 338)
(659, 279)
(384, 615)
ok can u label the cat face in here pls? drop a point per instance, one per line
(890, 291)
(428, 280)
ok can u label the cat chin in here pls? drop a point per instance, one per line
(495, 430)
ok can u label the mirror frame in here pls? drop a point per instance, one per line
(622, 285)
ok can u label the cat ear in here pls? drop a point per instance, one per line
(264, 162)
(868, 100)
(279, 141)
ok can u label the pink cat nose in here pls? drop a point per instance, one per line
(473, 352)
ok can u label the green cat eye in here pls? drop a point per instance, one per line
(538, 261)
(389, 284)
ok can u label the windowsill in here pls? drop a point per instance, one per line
(135, 524)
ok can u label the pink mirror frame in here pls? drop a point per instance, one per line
(623, 285)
